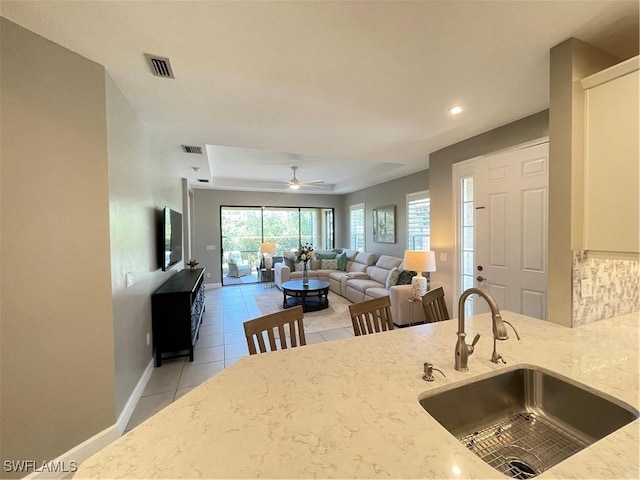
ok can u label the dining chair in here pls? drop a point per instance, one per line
(274, 326)
(435, 308)
(371, 316)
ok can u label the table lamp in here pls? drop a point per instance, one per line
(267, 249)
(419, 261)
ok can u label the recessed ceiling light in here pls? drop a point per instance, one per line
(456, 110)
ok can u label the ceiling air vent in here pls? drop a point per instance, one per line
(160, 66)
(203, 180)
(192, 149)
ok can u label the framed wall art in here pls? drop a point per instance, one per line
(384, 224)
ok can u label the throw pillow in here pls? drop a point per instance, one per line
(290, 260)
(329, 264)
(351, 254)
(327, 256)
(392, 278)
(405, 277)
(342, 262)
(300, 267)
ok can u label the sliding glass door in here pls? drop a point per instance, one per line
(243, 229)
(282, 227)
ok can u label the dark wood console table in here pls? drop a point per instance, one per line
(177, 308)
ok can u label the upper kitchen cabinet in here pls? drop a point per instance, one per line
(611, 214)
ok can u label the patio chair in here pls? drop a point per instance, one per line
(237, 266)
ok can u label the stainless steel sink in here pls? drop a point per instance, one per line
(524, 421)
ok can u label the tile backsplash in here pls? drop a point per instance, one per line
(615, 286)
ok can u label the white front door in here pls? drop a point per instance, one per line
(509, 229)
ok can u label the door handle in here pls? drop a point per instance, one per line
(480, 278)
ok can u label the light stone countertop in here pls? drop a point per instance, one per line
(349, 408)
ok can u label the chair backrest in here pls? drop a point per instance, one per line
(435, 308)
(235, 257)
(371, 316)
(272, 325)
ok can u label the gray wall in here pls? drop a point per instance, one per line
(570, 61)
(56, 363)
(442, 204)
(395, 193)
(207, 219)
(137, 191)
(80, 191)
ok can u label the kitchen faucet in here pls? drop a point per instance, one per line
(499, 330)
(495, 356)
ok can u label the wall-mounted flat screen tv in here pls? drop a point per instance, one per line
(172, 235)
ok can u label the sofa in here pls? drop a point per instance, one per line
(364, 277)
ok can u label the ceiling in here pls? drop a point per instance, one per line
(353, 93)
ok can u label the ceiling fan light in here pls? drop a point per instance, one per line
(293, 186)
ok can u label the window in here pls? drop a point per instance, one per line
(309, 227)
(243, 229)
(356, 227)
(419, 221)
(466, 235)
(282, 227)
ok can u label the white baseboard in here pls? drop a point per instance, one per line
(89, 447)
(211, 286)
(78, 454)
(131, 404)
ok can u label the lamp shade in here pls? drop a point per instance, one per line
(268, 247)
(420, 261)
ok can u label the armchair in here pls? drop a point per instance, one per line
(237, 266)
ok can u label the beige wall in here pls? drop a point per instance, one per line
(395, 193)
(570, 61)
(57, 372)
(440, 171)
(207, 219)
(137, 191)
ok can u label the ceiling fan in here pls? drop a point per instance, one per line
(295, 184)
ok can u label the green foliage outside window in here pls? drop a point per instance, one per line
(245, 228)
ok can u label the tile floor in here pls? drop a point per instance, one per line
(221, 343)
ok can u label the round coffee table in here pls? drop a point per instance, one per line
(312, 297)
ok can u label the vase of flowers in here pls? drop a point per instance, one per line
(304, 254)
(305, 275)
